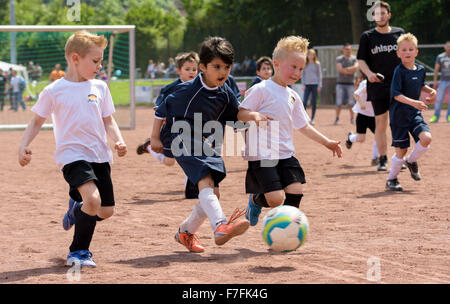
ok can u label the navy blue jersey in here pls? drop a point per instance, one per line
(165, 91)
(255, 81)
(408, 83)
(233, 86)
(194, 97)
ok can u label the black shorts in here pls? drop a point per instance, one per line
(81, 172)
(400, 134)
(363, 123)
(262, 179)
(381, 106)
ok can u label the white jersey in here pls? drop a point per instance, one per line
(77, 110)
(285, 107)
(362, 93)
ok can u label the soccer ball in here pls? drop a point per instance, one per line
(285, 228)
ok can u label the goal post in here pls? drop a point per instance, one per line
(41, 47)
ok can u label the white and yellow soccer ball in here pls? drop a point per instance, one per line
(285, 228)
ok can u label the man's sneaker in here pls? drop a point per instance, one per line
(141, 149)
(393, 185)
(348, 142)
(190, 190)
(232, 228)
(69, 218)
(336, 122)
(434, 119)
(448, 118)
(382, 164)
(252, 212)
(414, 170)
(81, 258)
(375, 161)
(190, 241)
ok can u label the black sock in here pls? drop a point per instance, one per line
(293, 200)
(84, 230)
(260, 200)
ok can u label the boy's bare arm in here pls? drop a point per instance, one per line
(312, 133)
(431, 92)
(245, 115)
(156, 144)
(112, 129)
(418, 104)
(30, 133)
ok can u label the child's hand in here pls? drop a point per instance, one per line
(258, 118)
(431, 96)
(420, 105)
(24, 156)
(334, 146)
(121, 148)
(156, 145)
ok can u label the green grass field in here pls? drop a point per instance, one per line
(120, 90)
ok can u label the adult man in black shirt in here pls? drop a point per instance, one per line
(377, 55)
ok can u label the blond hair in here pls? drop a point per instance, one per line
(81, 42)
(408, 37)
(315, 60)
(290, 44)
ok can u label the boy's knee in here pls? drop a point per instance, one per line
(426, 139)
(105, 212)
(275, 199)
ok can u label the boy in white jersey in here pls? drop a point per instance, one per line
(81, 109)
(275, 178)
(365, 119)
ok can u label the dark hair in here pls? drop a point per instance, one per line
(186, 57)
(216, 47)
(382, 4)
(347, 44)
(261, 60)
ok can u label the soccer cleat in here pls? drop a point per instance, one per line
(393, 185)
(403, 167)
(252, 212)
(141, 149)
(190, 241)
(375, 161)
(414, 170)
(232, 228)
(434, 119)
(81, 258)
(69, 218)
(348, 142)
(382, 164)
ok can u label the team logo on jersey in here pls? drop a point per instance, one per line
(92, 98)
(292, 99)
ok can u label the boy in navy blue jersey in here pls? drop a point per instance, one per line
(187, 69)
(264, 70)
(405, 111)
(192, 109)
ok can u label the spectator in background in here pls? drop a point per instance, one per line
(236, 69)
(31, 70)
(312, 81)
(252, 66)
(37, 72)
(3, 81)
(245, 65)
(443, 64)
(18, 86)
(151, 70)
(57, 73)
(171, 69)
(347, 66)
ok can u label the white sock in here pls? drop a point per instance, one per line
(211, 206)
(159, 156)
(396, 166)
(194, 221)
(417, 152)
(375, 152)
(353, 137)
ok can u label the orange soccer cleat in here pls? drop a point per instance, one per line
(189, 240)
(231, 229)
